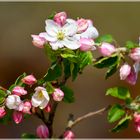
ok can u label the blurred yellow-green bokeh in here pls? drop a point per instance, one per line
(18, 20)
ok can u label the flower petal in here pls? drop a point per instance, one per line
(56, 45)
(46, 95)
(50, 38)
(71, 43)
(51, 27)
(43, 104)
(70, 29)
(91, 32)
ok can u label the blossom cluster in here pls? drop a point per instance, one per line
(63, 33)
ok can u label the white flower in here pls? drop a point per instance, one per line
(40, 98)
(13, 101)
(91, 32)
(60, 37)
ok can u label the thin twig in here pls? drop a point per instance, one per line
(81, 118)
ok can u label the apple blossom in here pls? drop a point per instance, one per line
(29, 80)
(59, 37)
(17, 116)
(13, 101)
(137, 121)
(68, 135)
(39, 40)
(42, 131)
(82, 25)
(27, 107)
(125, 71)
(132, 77)
(106, 49)
(58, 94)
(48, 108)
(86, 44)
(135, 54)
(2, 112)
(60, 18)
(19, 91)
(90, 32)
(40, 98)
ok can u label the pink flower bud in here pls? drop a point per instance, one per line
(132, 77)
(124, 71)
(86, 44)
(137, 121)
(60, 18)
(82, 25)
(135, 54)
(58, 94)
(2, 112)
(17, 116)
(19, 91)
(69, 135)
(29, 80)
(27, 107)
(48, 108)
(38, 40)
(42, 131)
(106, 49)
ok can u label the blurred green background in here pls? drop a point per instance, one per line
(17, 55)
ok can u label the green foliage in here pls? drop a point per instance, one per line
(130, 45)
(68, 94)
(123, 123)
(119, 92)
(54, 72)
(52, 54)
(105, 38)
(106, 61)
(51, 16)
(3, 95)
(115, 113)
(18, 81)
(85, 58)
(28, 136)
(49, 88)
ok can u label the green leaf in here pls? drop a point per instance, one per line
(53, 73)
(130, 45)
(70, 55)
(111, 71)
(67, 65)
(3, 95)
(115, 113)
(119, 92)
(85, 58)
(106, 61)
(18, 80)
(52, 54)
(68, 94)
(27, 135)
(105, 38)
(123, 123)
(51, 16)
(113, 68)
(49, 88)
(75, 71)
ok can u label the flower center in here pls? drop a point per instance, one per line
(40, 95)
(60, 35)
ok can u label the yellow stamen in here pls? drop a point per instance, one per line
(60, 35)
(40, 95)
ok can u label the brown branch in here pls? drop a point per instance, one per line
(72, 123)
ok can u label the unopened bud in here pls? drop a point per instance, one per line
(42, 131)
